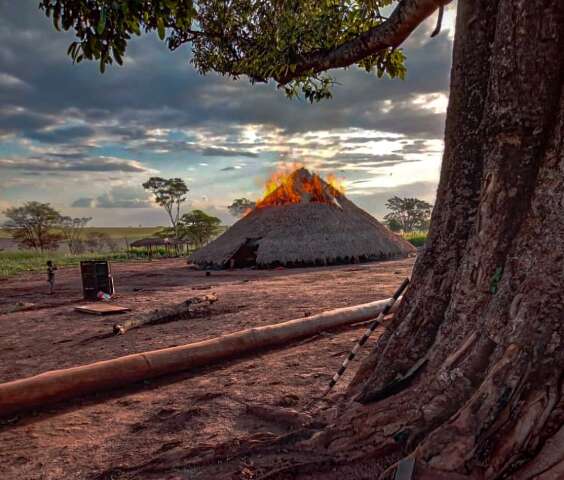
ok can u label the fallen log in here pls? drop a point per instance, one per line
(191, 308)
(39, 390)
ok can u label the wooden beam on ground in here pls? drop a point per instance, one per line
(193, 307)
(101, 308)
(58, 385)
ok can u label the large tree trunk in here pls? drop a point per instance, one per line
(480, 333)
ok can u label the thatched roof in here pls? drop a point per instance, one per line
(308, 232)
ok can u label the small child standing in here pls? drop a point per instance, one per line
(51, 276)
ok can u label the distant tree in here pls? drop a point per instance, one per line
(393, 224)
(93, 241)
(408, 213)
(198, 227)
(73, 232)
(34, 225)
(241, 206)
(100, 241)
(169, 193)
(112, 244)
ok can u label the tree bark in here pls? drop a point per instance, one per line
(484, 313)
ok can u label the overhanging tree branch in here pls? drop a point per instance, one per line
(390, 34)
(439, 22)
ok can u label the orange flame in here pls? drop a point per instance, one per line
(284, 187)
(280, 180)
(335, 183)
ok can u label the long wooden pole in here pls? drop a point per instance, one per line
(57, 385)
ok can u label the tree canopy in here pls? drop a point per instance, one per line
(39, 226)
(408, 214)
(241, 206)
(198, 227)
(32, 225)
(169, 193)
(291, 42)
(72, 230)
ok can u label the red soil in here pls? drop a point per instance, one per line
(114, 431)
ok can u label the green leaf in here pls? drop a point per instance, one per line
(117, 56)
(161, 28)
(70, 50)
(134, 26)
(101, 22)
(56, 18)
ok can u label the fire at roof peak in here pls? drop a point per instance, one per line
(300, 186)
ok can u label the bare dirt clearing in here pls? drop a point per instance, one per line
(112, 432)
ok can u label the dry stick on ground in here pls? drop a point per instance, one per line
(191, 308)
(57, 385)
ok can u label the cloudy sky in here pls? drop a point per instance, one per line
(85, 142)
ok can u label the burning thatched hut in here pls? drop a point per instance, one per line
(304, 221)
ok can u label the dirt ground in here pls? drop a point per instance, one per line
(99, 436)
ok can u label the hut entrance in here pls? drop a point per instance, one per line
(246, 255)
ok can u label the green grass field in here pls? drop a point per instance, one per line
(131, 233)
(417, 239)
(14, 262)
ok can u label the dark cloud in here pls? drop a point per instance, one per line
(83, 203)
(225, 152)
(62, 135)
(184, 146)
(366, 139)
(343, 162)
(413, 122)
(417, 146)
(14, 120)
(72, 164)
(8, 81)
(366, 157)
